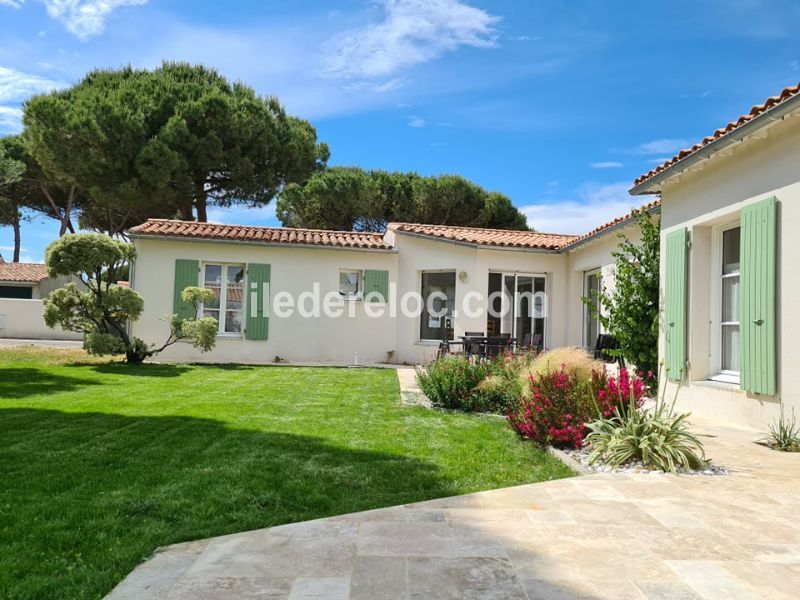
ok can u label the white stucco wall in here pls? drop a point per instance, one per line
(392, 337)
(593, 255)
(22, 319)
(757, 169)
(417, 254)
(293, 269)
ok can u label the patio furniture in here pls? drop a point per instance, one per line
(446, 342)
(603, 347)
(495, 344)
(472, 343)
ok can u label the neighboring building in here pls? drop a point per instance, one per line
(458, 265)
(22, 288)
(731, 265)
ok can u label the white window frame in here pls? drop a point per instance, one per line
(359, 295)
(223, 296)
(586, 274)
(717, 372)
(422, 311)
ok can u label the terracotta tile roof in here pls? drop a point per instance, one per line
(266, 235)
(651, 206)
(22, 272)
(488, 237)
(758, 109)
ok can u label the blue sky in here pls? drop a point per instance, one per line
(558, 104)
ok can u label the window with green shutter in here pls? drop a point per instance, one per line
(376, 286)
(257, 320)
(757, 297)
(186, 274)
(675, 292)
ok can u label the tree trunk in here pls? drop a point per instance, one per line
(17, 243)
(202, 215)
(186, 211)
(133, 358)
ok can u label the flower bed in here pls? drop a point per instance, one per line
(560, 403)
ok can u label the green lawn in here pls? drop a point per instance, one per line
(101, 463)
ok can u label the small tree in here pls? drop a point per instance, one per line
(103, 311)
(630, 311)
(11, 171)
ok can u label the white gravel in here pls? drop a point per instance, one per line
(581, 456)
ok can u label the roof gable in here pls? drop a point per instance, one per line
(785, 96)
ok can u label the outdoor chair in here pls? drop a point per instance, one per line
(603, 349)
(498, 343)
(473, 348)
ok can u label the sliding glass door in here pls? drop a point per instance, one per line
(517, 303)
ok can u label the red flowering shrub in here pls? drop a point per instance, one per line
(616, 392)
(561, 402)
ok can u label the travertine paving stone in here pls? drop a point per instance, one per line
(656, 537)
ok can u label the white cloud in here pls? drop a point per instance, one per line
(10, 119)
(83, 18)
(659, 161)
(411, 32)
(16, 86)
(608, 164)
(706, 94)
(590, 206)
(24, 254)
(663, 146)
(416, 122)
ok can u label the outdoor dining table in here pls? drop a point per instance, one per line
(482, 342)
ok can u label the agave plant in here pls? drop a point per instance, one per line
(658, 437)
(784, 434)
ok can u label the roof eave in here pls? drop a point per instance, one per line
(615, 227)
(434, 238)
(176, 238)
(653, 184)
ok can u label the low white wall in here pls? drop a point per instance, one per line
(22, 319)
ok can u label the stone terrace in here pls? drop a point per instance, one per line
(598, 536)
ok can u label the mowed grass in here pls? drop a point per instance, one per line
(101, 463)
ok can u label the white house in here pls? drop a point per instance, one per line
(396, 291)
(22, 288)
(731, 265)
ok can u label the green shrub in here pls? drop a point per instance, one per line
(450, 382)
(658, 437)
(501, 390)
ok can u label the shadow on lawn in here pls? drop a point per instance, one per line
(20, 382)
(140, 370)
(87, 496)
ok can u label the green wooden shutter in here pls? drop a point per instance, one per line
(675, 292)
(257, 320)
(757, 297)
(376, 281)
(186, 274)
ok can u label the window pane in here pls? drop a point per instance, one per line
(214, 314)
(730, 251)
(443, 284)
(217, 293)
(236, 274)
(730, 347)
(348, 283)
(213, 275)
(233, 321)
(233, 296)
(730, 299)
